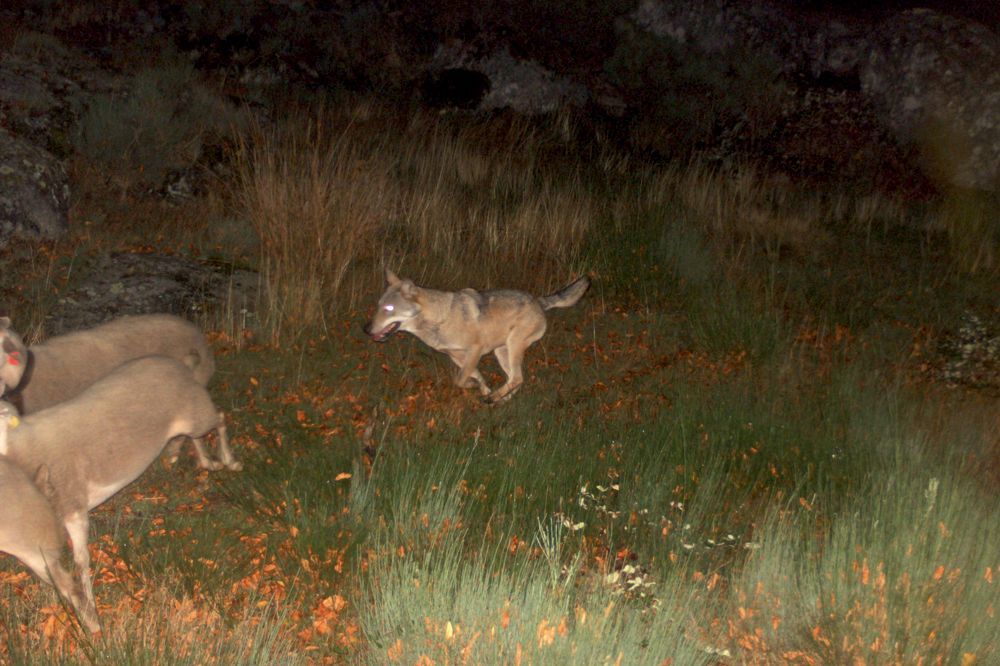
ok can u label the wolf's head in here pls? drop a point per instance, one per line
(13, 356)
(396, 307)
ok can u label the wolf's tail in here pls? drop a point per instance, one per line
(567, 296)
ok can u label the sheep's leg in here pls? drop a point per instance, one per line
(63, 581)
(173, 449)
(228, 459)
(204, 460)
(225, 453)
(77, 525)
(44, 562)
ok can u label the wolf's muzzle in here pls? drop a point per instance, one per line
(381, 335)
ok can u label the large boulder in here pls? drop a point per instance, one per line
(833, 52)
(34, 190)
(936, 81)
(931, 80)
(44, 87)
(499, 81)
(123, 283)
(716, 26)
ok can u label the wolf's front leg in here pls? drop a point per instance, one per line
(503, 393)
(468, 370)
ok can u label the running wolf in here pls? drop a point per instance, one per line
(468, 324)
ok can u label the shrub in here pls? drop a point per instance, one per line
(161, 123)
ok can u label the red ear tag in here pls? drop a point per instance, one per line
(13, 358)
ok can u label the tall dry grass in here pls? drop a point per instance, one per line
(335, 195)
(315, 204)
(742, 209)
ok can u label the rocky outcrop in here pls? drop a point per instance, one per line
(523, 86)
(34, 190)
(936, 80)
(933, 80)
(127, 283)
(715, 26)
(832, 54)
(972, 354)
(44, 87)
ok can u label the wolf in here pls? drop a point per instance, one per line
(468, 324)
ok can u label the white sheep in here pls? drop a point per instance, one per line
(30, 531)
(96, 443)
(58, 369)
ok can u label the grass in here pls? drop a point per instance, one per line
(892, 582)
(734, 450)
(335, 196)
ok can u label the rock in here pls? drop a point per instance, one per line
(455, 88)
(932, 80)
(44, 87)
(833, 133)
(128, 283)
(34, 190)
(972, 354)
(936, 82)
(527, 87)
(519, 85)
(716, 26)
(832, 54)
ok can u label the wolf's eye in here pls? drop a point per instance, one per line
(388, 308)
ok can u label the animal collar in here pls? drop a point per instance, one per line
(13, 395)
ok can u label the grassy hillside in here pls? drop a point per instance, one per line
(738, 448)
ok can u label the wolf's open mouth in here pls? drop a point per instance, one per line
(380, 336)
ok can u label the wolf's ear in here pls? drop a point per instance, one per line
(407, 288)
(391, 278)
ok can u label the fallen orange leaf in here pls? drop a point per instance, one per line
(395, 651)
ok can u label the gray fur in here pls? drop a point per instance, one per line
(30, 531)
(567, 296)
(61, 367)
(100, 441)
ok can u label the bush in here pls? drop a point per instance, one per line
(161, 123)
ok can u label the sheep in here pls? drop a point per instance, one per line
(58, 369)
(30, 531)
(96, 443)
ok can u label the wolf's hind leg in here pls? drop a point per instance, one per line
(511, 365)
(511, 359)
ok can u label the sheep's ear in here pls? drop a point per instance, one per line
(4, 323)
(391, 278)
(43, 481)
